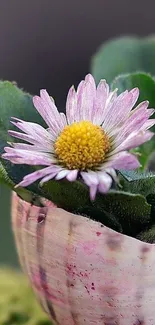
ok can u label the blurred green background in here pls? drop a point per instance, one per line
(7, 247)
(48, 44)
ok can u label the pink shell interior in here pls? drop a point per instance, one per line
(82, 272)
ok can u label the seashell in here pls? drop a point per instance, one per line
(82, 272)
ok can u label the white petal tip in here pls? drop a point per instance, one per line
(35, 100)
(43, 91)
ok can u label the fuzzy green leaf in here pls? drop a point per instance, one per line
(124, 55)
(148, 235)
(67, 195)
(146, 153)
(17, 103)
(137, 182)
(122, 211)
(131, 210)
(4, 178)
(143, 81)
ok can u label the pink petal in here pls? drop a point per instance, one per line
(105, 182)
(135, 122)
(22, 136)
(86, 94)
(38, 133)
(122, 160)
(78, 94)
(112, 173)
(47, 178)
(49, 104)
(93, 190)
(148, 124)
(63, 173)
(134, 140)
(31, 178)
(119, 111)
(28, 157)
(71, 106)
(36, 147)
(135, 94)
(100, 102)
(143, 105)
(49, 172)
(90, 178)
(63, 119)
(90, 78)
(72, 176)
(47, 109)
(48, 99)
(32, 128)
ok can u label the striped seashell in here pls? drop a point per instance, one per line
(82, 272)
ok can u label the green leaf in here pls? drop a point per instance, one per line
(148, 235)
(74, 197)
(144, 184)
(22, 192)
(101, 215)
(17, 103)
(124, 55)
(124, 212)
(150, 162)
(151, 201)
(137, 182)
(67, 195)
(146, 154)
(131, 210)
(143, 81)
(4, 178)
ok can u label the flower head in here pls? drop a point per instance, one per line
(90, 142)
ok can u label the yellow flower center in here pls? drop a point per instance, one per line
(82, 146)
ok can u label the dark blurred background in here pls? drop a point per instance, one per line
(48, 44)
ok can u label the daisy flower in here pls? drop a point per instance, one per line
(91, 142)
